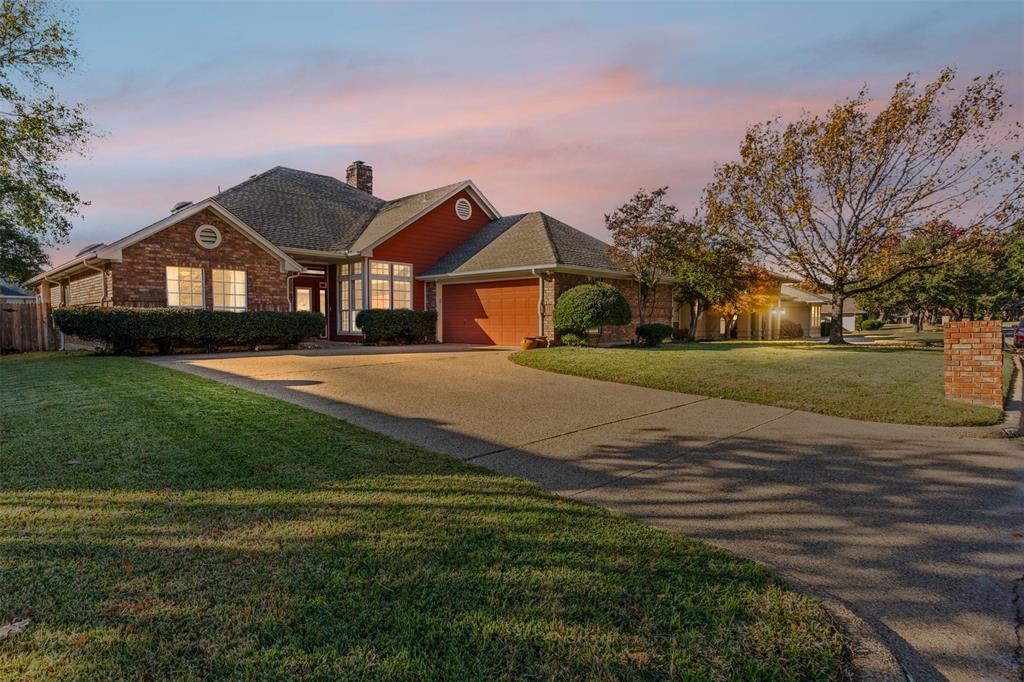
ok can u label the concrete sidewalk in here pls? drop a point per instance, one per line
(920, 534)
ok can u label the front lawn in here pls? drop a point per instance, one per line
(157, 525)
(876, 384)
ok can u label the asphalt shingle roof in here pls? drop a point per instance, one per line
(529, 239)
(395, 212)
(301, 210)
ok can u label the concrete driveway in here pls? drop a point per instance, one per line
(920, 534)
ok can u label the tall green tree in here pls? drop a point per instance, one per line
(711, 271)
(37, 132)
(646, 238)
(820, 196)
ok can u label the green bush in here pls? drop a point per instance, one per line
(402, 326)
(570, 339)
(791, 330)
(127, 330)
(651, 335)
(871, 324)
(591, 306)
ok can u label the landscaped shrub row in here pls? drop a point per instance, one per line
(870, 324)
(397, 326)
(653, 334)
(790, 330)
(128, 330)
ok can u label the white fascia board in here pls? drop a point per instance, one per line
(530, 270)
(65, 268)
(113, 251)
(464, 185)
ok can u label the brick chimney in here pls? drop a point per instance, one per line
(360, 176)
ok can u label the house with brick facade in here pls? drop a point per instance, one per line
(288, 239)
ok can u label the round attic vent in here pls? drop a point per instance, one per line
(208, 236)
(463, 209)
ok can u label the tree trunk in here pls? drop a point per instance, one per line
(695, 313)
(919, 321)
(640, 301)
(835, 331)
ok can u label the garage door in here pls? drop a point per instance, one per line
(499, 313)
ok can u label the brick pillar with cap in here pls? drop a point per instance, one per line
(973, 352)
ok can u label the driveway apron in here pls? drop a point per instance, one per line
(921, 534)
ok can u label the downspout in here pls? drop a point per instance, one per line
(103, 276)
(51, 281)
(540, 301)
(288, 290)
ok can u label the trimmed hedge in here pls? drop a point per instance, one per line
(590, 306)
(790, 330)
(127, 330)
(385, 327)
(653, 334)
(871, 324)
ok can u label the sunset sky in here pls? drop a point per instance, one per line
(564, 108)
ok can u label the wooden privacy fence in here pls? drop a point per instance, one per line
(26, 326)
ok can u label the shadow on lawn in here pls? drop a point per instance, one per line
(917, 538)
(386, 577)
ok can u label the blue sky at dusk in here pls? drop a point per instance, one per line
(566, 108)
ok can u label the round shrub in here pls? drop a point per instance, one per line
(871, 324)
(591, 306)
(651, 335)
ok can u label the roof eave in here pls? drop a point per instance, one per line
(367, 249)
(545, 267)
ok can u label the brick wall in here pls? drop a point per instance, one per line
(141, 277)
(974, 362)
(555, 285)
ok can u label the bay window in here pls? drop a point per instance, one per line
(389, 286)
(350, 298)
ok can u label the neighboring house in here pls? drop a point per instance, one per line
(851, 314)
(790, 304)
(288, 239)
(12, 294)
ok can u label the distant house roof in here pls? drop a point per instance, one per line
(522, 241)
(790, 291)
(13, 290)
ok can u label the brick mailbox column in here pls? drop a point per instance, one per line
(974, 361)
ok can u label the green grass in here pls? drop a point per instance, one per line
(212, 533)
(901, 333)
(875, 384)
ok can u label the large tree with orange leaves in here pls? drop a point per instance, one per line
(820, 196)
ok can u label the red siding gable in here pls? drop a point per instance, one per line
(425, 241)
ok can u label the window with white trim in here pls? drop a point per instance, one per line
(390, 285)
(350, 295)
(229, 290)
(185, 287)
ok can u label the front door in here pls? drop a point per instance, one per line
(304, 299)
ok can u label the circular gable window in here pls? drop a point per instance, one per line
(463, 209)
(208, 236)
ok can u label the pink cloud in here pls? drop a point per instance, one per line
(573, 142)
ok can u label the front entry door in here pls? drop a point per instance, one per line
(304, 299)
